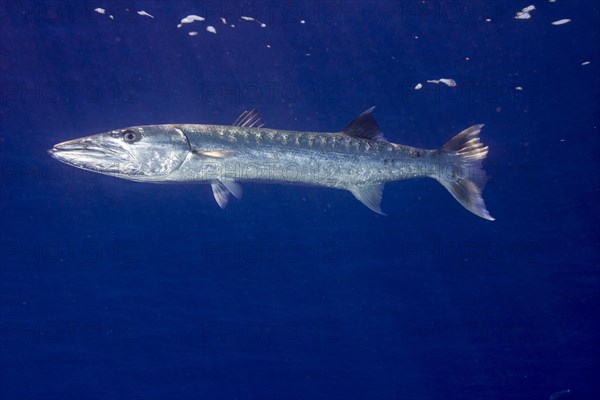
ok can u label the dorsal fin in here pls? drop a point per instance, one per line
(364, 127)
(249, 119)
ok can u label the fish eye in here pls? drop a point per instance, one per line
(130, 136)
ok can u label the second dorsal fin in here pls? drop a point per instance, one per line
(365, 127)
(249, 119)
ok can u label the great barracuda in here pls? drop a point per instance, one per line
(358, 159)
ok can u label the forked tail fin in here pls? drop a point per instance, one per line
(465, 177)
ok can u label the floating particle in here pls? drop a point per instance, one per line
(245, 18)
(111, 17)
(224, 21)
(519, 88)
(192, 33)
(586, 63)
(100, 10)
(418, 87)
(561, 21)
(211, 29)
(448, 82)
(559, 394)
(467, 59)
(232, 25)
(268, 46)
(144, 14)
(191, 18)
(445, 81)
(488, 20)
(307, 54)
(524, 13)
(302, 21)
(179, 25)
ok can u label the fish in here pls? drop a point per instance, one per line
(358, 159)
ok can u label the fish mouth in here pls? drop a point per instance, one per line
(86, 154)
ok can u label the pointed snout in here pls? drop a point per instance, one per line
(76, 144)
(79, 146)
(89, 153)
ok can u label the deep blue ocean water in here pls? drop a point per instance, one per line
(111, 289)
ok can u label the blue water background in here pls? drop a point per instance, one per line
(117, 290)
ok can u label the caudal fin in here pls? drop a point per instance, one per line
(465, 178)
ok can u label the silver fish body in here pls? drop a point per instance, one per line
(314, 158)
(357, 159)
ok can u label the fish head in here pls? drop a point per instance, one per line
(140, 153)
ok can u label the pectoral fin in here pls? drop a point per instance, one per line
(213, 153)
(369, 195)
(222, 190)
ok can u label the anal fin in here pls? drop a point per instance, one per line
(369, 195)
